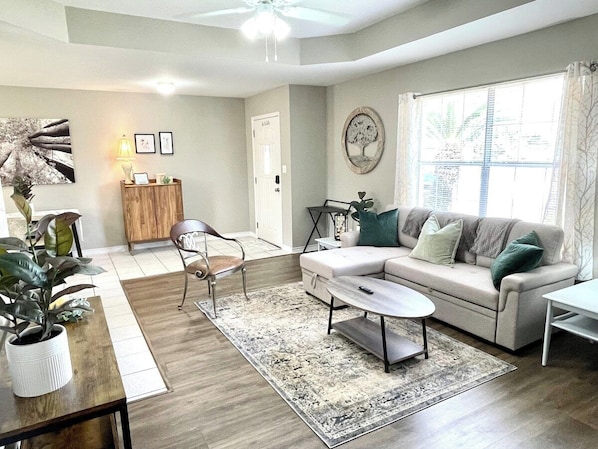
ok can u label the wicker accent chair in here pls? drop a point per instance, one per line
(191, 240)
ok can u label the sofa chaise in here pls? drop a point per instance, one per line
(464, 293)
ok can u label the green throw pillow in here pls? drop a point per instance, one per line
(520, 255)
(438, 245)
(378, 230)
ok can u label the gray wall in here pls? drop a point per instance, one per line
(541, 52)
(308, 156)
(303, 135)
(209, 154)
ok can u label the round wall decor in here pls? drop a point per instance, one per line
(363, 140)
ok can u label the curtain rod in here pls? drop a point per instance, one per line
(485, 84)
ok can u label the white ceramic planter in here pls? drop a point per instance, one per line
(39, 368)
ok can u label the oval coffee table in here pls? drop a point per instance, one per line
(387, 300)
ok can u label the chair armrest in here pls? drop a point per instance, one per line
(230, 239)
(349, 238)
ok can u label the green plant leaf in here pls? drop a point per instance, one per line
(68, 217)
(22, 267)
(23, 206)
(26, 310)
(58, 238)
(70, 290)
(13, 244)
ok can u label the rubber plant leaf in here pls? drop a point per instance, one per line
(26, 310)
(58, 239)
(22, 267)
(70, 290)
(23, 206)
(12, 243)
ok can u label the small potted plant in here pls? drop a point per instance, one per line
(32, 297)
(361, 206)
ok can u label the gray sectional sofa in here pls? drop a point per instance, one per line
(463, 293)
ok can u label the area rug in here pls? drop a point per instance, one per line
(338, 389)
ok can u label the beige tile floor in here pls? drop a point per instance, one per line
(140, 375)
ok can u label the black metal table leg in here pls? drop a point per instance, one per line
(330, 315)
(124, 423)
(314, 229)
(386, 364)
(425, 337)
(76, 238)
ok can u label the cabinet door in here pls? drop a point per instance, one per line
(140, 214)
(169, 208)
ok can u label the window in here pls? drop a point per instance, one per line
(489, 151)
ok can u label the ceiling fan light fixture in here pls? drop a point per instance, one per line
(249, 28)
(281, 28)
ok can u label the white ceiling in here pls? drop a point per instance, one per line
(130, 45)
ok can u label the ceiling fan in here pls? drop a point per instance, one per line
(265, 13)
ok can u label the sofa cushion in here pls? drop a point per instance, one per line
(519, 256)
(438, 245)
(471, 283)
(378, 230)
(351, 261)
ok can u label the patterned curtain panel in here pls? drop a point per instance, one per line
(574, 179)
(405, 181)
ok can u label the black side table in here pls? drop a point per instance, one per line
(316, 212)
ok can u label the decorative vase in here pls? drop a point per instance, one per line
(39, 368)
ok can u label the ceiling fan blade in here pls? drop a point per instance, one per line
(314, 15)
(221, 12)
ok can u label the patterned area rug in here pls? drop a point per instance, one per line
(338, 389)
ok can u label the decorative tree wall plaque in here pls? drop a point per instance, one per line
(37, 148)
(363, 140)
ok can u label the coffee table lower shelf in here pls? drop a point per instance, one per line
(367, 334)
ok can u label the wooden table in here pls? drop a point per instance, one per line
(96, 389)
(581, 318)
(387, 300)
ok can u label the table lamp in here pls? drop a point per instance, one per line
(125, 154)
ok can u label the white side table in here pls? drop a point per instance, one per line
(328, 243)
(581, 302)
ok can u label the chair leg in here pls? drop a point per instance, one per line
(243, 273)
(212, 287)
(184, 291)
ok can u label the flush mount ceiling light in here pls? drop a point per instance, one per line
(165, 88)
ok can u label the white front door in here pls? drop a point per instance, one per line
(268, 182)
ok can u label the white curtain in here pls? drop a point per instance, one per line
(576, 163)
(406, 179)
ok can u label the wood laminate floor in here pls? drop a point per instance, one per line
(218, 400)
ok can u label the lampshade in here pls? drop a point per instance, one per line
(125, 153)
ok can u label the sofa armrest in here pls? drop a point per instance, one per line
(349, 238)
(538, 277)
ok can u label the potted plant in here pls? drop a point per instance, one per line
(361, 206)
(33, 290)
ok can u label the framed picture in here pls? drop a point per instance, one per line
(140, 178)
(166, 146)
(145, 143)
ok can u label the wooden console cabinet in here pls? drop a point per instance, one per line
(150, 210)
